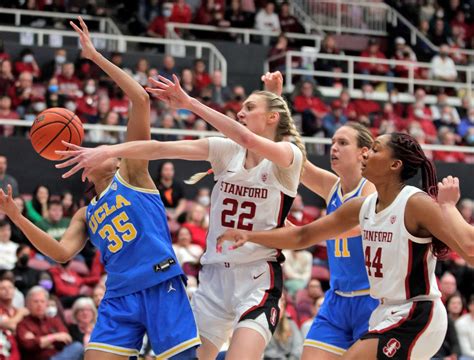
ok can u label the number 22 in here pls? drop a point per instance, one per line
(248, 213)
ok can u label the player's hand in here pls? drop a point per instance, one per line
(239, 237)
(273, 82)
(7, 205)
(88, 48)
(169, 92)
(448, 191)
(81, 158)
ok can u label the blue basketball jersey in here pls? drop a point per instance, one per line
(345, 255)
(129, 226)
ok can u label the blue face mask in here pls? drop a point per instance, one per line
(470, 139)
(53, 88)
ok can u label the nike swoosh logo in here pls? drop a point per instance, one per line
(256, 277)
(366, 218)
(230, 171)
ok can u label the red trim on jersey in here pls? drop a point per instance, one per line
(410, 264)
(280, 213)
(264, 299)
(410, 314)
(425, 270)
(422, 330)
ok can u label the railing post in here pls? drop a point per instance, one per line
(40, 39)
(351, 74)
(102, 25)
(246, 38)
(288, 72)
(469, 73)
(411, 79)
(339, 16)
(17, 19)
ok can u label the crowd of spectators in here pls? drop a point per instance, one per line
(47, 310)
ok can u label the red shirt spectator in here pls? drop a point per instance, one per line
(181, 12)
(27, 64)
(22, 92)
(157, 27)
(306, 101)
(373, 52)
(201, 77)
(366, 106)
(288, 23)
(68, 282)
(7, 113)
(69, 84)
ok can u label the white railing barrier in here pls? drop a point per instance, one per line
(111, 42)
(106, 24)
(246, 34)
(203, 134)
(351, 75)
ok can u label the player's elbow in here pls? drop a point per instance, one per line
(62, 257)
(142, 99)
(248, 140)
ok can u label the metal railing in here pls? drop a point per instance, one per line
(338, 16)
(106, 24)
(120, 43)
(367, 18)
(204, 134)
(246, 34)
(351, 75)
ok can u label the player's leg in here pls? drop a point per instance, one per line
(207, 350)
(362, 349)
(310, 353)
(246, 343)
(101, 355)
(257, 308)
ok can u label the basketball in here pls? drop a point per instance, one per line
(51, 127)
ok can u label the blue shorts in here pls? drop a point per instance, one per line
(162, 311)
(340, 322)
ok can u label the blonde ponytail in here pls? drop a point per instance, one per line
(198, 177)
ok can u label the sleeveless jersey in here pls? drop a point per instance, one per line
(345, 255)
(400, 266)
(129, 226)
(249, 199)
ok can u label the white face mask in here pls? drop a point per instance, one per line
(446, 118)
(39, 106)
(60, 59)
(419, 113)
(51, 311)
(204, 200)
(89, 89)
(71, 106)
(28, 58)
(394, 99)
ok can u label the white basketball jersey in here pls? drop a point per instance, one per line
(248, 199)
(400, 266)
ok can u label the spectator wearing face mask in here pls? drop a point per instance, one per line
(442, 66)
(87, 105)
(25, 276)
(69, 84)
(53, 68)
(27, 63)
(53, 98)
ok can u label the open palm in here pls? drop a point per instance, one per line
(169, 92)
(88, 49)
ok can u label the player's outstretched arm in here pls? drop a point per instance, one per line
(71, 243)
(448, 196)
(171, 92)
(426, 213)
(87, 158)
(299, 237)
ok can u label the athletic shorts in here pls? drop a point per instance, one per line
(340, 322)
(414, 330)
(232, 296)
(162, 311)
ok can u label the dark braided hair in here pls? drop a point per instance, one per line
(408, 150)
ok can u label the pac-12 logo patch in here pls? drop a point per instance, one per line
(264, 177)
(391, 348)
(273, 316)
(393, 218)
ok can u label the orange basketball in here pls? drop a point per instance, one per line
(51, 127)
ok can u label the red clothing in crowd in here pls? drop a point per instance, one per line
(201, 80)
(8, 345)
(31, 329)
(303, 103)
(449, 156)
(198, 234)
(69, 86)
(120, 106)
(21, 66)
(158, 25)
(68, 282)
(181, 14)
(366, 107)
(373, 67)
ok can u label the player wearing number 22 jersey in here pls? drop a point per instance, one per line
(241, 288)
(344, 315)
(129, 226)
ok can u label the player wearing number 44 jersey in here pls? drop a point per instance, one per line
(257, 174)
(403, 231)
(127, 221)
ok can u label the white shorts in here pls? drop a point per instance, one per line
(232, 296)
(413, 330)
